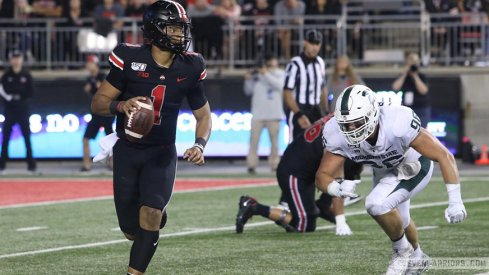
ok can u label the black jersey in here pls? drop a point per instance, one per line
(135, 73)
(303, 156)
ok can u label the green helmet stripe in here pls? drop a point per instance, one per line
(344, 101)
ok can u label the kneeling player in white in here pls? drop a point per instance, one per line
(391, 140)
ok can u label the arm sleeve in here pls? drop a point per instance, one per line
(407, 126)
(116, 74)
(196, 97)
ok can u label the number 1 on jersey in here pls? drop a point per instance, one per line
(158, 95)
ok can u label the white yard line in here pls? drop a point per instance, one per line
(428, 227)
(207, 230)
(32, 228)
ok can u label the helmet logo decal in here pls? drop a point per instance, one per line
(344, 101)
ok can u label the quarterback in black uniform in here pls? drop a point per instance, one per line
(144, 172)
(296, 175)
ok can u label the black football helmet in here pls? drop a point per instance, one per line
(157, 17)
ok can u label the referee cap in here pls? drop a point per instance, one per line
(314, 36)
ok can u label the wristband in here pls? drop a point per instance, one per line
(454, 195)
(299, 114)
(334, 188)
(200, 143)
(115, 107)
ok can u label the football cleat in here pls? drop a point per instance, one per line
(245, 212)
(418, 265)
(399, 261)
(350, 201)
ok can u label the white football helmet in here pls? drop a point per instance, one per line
(357, 113)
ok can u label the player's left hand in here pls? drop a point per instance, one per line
(193, 154)
(343, 230)
(348, 187)
(455, 213)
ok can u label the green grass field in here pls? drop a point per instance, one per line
(199, 237)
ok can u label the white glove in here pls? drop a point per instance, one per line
(455, 213)
(342, 228)
(345, 189)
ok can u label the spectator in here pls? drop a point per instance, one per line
(46, 8)
(95, 78)
(288, 8)
(229, 11)
(17, 87)
(443, 11)
(107, 17)
(136, 8)
(206, 29)
(262, 37)
(343, 76)
(68, 39)
(305, 92)
(331, 9)
(414, 85)
(265, 87)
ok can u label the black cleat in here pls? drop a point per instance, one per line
(245, 212)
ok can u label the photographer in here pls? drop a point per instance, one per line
(414, 85)
(264, 84)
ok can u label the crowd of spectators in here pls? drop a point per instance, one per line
(210, 20)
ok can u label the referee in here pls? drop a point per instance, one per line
(305, 92)
(16, 87)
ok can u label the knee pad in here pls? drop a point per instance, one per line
(375, 207)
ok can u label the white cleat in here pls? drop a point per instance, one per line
(349, 201)
(399, 261)
(418, 265)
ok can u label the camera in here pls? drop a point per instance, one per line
(413, 68)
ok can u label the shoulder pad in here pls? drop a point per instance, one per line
(401, 124)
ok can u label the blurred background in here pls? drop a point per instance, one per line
(451, 38)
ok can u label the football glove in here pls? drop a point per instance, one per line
(344, 189)
(343, 230)
(455, 213)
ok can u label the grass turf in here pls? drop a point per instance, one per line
(264, 249)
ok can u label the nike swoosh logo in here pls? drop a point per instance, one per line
(180, 79)
(156, 243)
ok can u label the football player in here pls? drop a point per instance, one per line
(144, 172)
(295, 174)
(401, 153)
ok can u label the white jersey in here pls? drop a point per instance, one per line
(398, 127)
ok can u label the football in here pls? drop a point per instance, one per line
(140, 122)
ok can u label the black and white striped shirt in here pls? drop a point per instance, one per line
(306, 78)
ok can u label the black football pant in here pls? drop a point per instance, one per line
(143, 175)
(20, 116)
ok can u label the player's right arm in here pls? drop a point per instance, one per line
(430, 147)
(105, 102)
